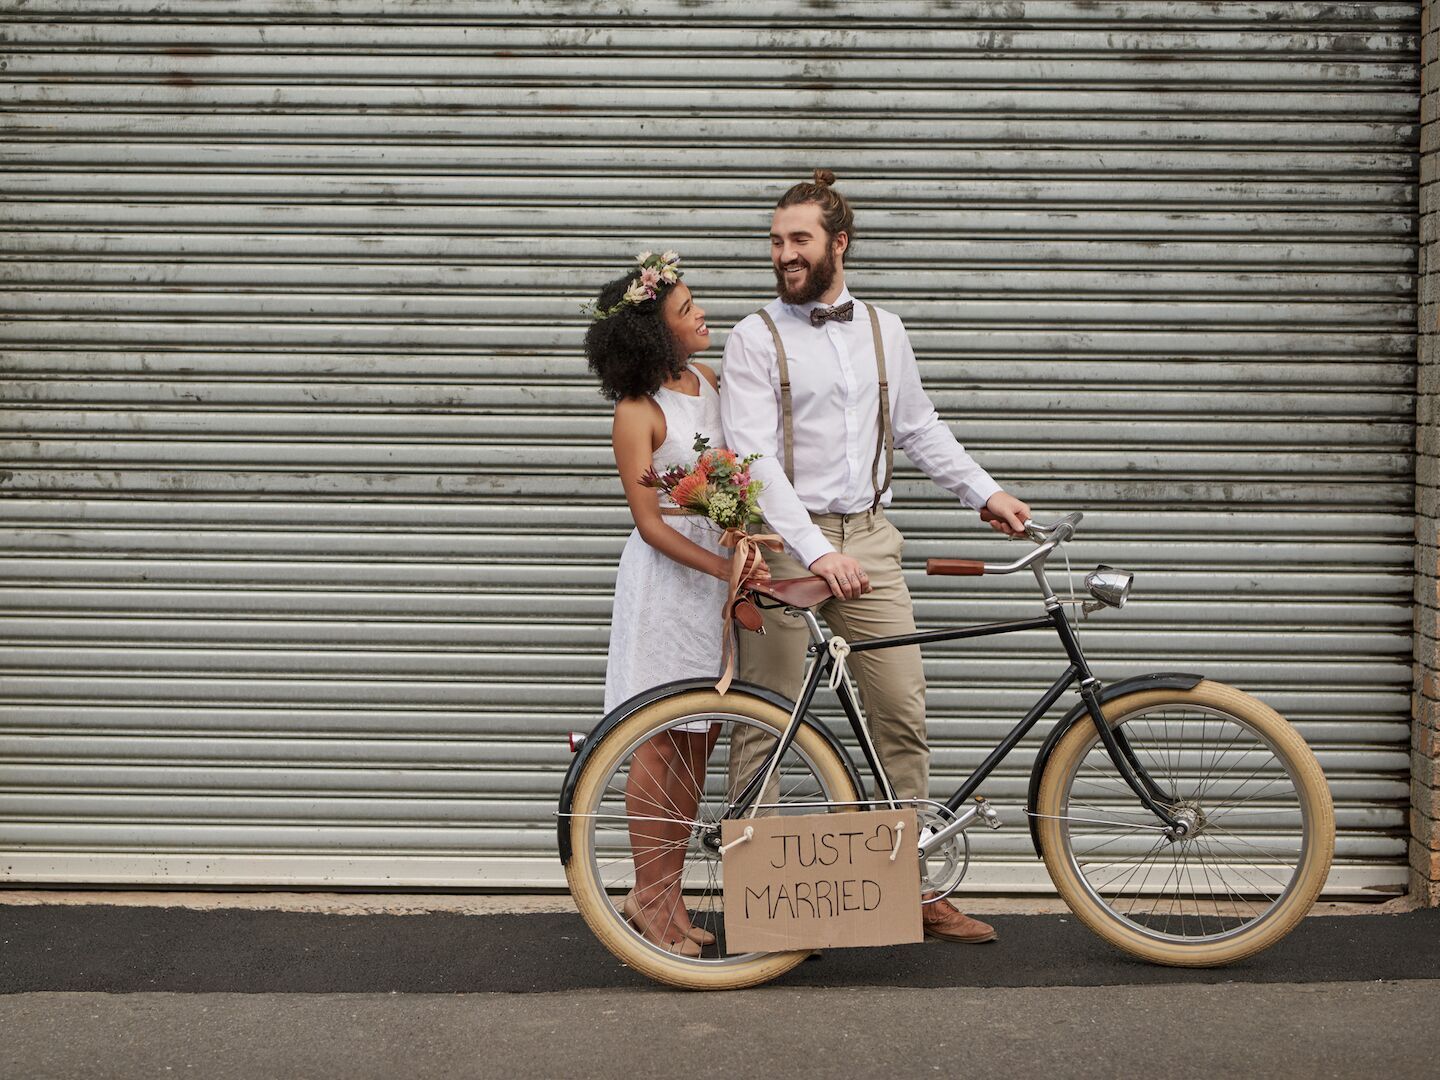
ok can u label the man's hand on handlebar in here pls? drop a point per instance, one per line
(1006, 514)
(846, 578)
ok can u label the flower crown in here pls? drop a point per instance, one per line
(656, 272)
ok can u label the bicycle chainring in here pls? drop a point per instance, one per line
(944, 868)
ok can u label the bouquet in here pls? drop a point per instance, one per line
(717, 487)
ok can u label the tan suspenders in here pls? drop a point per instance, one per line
(884, 443)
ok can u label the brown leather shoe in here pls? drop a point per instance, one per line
(942, 920)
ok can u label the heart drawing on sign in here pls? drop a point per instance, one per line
(883, 840)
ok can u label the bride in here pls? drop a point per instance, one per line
(674, 576)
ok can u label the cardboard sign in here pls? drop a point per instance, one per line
(821, 881)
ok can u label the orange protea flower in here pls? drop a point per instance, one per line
(721, 454)
(690, 492)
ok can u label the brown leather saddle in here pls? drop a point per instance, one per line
(804, 592)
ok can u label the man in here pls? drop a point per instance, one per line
(825, 387)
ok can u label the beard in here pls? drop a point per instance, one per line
(816, 283)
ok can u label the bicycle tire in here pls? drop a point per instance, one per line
(592, 894)
(1291, 790)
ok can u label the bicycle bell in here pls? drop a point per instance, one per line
(1109, 585)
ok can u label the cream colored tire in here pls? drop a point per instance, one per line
(1257, 924)
(595, 902)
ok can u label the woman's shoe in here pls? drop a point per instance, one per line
(686, 946)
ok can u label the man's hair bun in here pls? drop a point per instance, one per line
(824, 177)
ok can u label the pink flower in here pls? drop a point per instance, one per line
(649, 277)
(741, 479)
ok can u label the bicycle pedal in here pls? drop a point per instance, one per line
(987, 812)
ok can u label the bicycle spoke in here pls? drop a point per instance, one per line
(646, 841)
(1199, 885)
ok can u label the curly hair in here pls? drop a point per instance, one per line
(632, 352)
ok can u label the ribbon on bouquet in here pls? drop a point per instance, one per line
(746, 558)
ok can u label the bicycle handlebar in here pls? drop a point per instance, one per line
(1047, 537)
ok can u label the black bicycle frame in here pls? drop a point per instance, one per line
(1116, 745)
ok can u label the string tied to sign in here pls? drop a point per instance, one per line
(748, 834)
(899, 830)
(839, 649)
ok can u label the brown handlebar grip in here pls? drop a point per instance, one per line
(955, 567)
(986, 515)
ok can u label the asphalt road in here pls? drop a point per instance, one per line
(1344, 1030)
(128, 949)
(113, 992)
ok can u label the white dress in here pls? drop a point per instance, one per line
(665, 624)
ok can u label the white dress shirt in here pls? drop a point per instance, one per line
(835, 405)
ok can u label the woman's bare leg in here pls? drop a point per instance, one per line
(667, 776)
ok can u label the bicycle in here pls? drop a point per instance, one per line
(1182, 820)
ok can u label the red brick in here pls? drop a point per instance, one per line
(1425, 862)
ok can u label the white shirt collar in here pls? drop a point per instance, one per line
(803, 310)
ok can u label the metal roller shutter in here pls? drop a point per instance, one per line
(310, 523)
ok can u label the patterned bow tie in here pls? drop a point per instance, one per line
(844, 313)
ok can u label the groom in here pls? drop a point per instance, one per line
(825, 386)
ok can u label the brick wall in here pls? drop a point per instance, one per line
(1425, 742)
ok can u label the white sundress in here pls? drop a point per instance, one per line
(665, 624)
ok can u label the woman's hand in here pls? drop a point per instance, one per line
(1010, 514)
(759, 573)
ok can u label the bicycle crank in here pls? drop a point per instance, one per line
(943, 867)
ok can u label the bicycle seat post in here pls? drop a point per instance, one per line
(817, 635)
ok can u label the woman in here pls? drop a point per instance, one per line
(674, 576)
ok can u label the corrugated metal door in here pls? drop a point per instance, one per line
(310, 520)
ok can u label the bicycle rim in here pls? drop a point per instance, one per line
(799, 786)
(1251, 826)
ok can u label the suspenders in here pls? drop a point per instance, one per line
(884, 443)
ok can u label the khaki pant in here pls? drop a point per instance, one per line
(891, 681)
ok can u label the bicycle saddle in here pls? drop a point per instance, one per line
(802, 592)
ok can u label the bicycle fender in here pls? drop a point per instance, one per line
(626, 709)
(1160, 680)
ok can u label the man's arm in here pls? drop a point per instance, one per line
(932, 446)
(928, 441)
(750, 415)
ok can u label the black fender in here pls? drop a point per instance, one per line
(1162, 680)
(626, 709)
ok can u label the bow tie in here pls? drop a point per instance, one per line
(844, 313)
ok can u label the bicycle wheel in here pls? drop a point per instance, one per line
(606, 836)
(1262, 827)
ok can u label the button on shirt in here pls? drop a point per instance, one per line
(834, 393)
